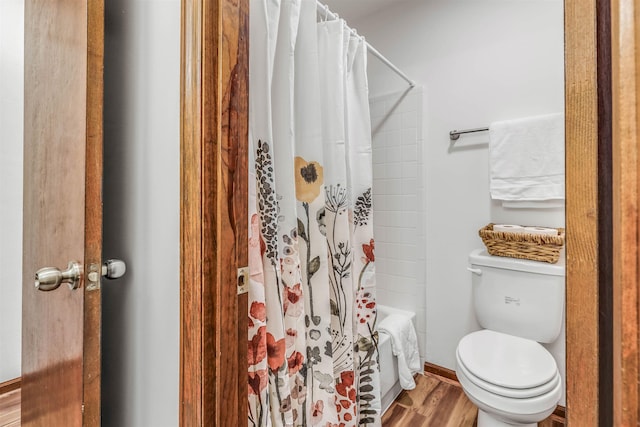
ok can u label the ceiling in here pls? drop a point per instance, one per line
(354, 9)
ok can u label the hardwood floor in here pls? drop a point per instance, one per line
(438, 402)
(10, 409)
(435, 402)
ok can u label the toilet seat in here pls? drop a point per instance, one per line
(507, 362)
(526, 398)
(521, 393)
(509, 409)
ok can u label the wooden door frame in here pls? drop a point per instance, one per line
(588, 138)
(626, 174)
(214, 115)
(213, 213)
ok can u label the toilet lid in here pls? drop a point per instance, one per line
(506, 360)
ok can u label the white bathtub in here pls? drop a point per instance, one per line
(389, 382)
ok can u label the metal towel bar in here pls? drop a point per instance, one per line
(455, 134)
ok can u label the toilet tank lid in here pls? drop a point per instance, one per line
(480, 257)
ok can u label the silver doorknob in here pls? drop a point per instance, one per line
(110, 269)
(50, 278)
(114, 268)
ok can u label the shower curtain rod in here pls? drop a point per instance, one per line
(323, 8)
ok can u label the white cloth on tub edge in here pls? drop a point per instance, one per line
(404, 344)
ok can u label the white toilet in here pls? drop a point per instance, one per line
(505, 372)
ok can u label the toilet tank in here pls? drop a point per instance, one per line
(518, 297)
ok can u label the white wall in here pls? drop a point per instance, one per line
(479, 62)
(140, 374)
(11, 119)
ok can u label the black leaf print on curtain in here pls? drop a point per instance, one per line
(362, 208)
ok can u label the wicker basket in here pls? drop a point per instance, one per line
(535, 247)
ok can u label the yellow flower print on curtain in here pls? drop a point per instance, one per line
(309, 180)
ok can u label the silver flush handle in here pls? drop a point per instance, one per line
(475, 271)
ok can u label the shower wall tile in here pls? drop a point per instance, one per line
(410, 170)
(394, 137)
(377, 109)
(392, 123)
(398, 205)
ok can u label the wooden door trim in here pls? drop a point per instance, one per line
(193, 334)
(605, 208)
(10, 385)
(93, 213)
(213, 221)
(209, 28)
(626, 83)
(586, 99)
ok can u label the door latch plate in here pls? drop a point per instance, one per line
(243, 280)
(93, 277)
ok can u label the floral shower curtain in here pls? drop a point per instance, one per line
(312, 346)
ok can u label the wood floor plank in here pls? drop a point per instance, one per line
(10, 409)
(439, 402)
(465, 413)
(416, 397)
(434, 402)
(552, 421)
(399, 415)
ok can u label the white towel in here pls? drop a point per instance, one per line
(526, 158)
(533, 204)
(404, 344)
